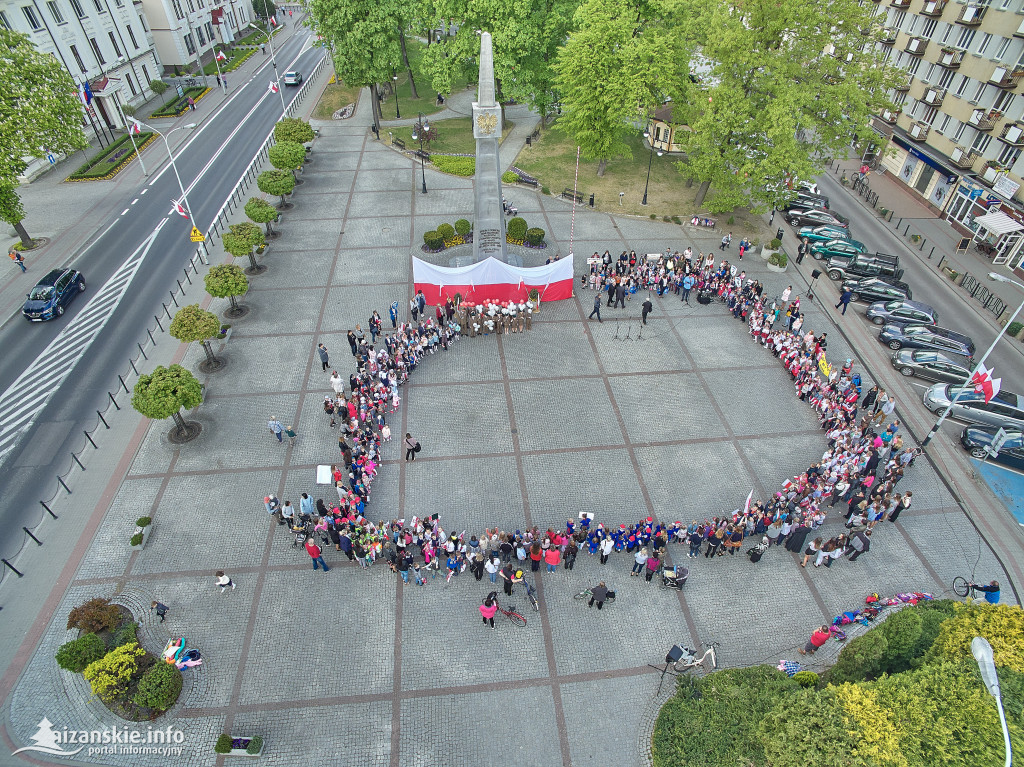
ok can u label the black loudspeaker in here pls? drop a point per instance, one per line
(674, 654)
(815, 274)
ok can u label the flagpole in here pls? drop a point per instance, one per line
(174, 167)
(575, 187)
(131, 137)
(979, 366)
(216, 61)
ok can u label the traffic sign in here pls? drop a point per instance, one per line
(197, 236)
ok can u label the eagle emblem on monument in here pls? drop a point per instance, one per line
(487, 124)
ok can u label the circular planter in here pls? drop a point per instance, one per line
(213, 366)
(777, 269)
(181, 436)
(766, 253)
(260, 268)
(237, 312)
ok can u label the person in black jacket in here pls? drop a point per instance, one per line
(598, 594)
(570, 555)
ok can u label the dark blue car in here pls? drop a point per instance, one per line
(52, 294)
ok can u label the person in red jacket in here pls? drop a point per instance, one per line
(316, 554)
(489, 608)
(818, 638)
(552, 557)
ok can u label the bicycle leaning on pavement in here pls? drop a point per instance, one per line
(511, 614)
(587, 594)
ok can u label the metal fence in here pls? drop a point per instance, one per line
(980, 293)
(91, 441)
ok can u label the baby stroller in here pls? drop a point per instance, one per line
(674, 577)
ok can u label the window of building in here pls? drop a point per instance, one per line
(201, 36)
(986, 40)
(914, 65)
(928, 75)
(31, 18)
(142, 21)
(900, 99)
(964, 80)
(966, 36)
(55, 13)
(944, 124)
(1009, 155)
(79, 10)
(209, 31)
(946, 32)
(201, 3)
(119, 3)
(946, 78)
(178, 14)
(913, 26)
(99, 6)
(1003, 101)
(191, 6)
(981, 142)
(145, 73)
(78, 58)
(979, 92)
(113, 41)
(96, 49)
(959, 133)
(929, 28)
(898, 17)
(190, 45)
(1004, 44)
(930, 113)
(131, 85)
(131, 36)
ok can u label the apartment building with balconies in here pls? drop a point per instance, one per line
(185, 31)
(957, 135)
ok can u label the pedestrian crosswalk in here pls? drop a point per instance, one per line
(25, 399)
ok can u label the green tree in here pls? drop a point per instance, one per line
(242, 239)
(79, 653)
(264, 9)
(1001, 625)
(164, 392)
(159, 687)
(293, 129)
(158, 87)
(193, 323)
(606, 94)
(861, 658)
(784, 87)
(287, 155)
(276, 182)
(226, 281)
(41, 113)
(363, 36)
(261, 212)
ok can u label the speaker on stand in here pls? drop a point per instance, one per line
(815, 274)
(674, 654)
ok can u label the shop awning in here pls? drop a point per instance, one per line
(998, 222)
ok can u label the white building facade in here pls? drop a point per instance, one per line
(185, 31)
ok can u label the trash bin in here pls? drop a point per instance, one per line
(780, 233)
(591, 200)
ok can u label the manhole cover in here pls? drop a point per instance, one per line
(515, 431)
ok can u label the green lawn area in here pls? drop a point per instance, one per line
(552, 160)
(113, 158)
(454, 136)
(427, 103)
(335, 97)
(236, 57)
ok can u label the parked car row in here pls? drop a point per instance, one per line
(911, 330)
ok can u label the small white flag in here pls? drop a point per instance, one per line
(273, 87)
(136, 128)
(221, 56)
(179, 209)
(273, 21)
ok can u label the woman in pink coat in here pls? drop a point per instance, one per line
(489, 608)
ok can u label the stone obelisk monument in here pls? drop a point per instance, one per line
(489, 215)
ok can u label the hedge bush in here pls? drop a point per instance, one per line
(516, 228)
(110, 675)
(861, 658)
(535, 236)
(79, 653)
(447, 231)
(1001, 625)
(433, 240)
(128, 633)
(95, 615)
(459, 166)
(463, 227)
(223, 744)
(510, 177)
(1014, 328)
(778, 259)
(159, 687)
(806, 678)
(255, 744)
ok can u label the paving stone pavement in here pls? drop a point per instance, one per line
(679, 419)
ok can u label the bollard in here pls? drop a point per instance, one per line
(923, 241)
(941, 260)
(116, 406)
(126, 389)
(80, 464)
(907, 229)
(49, 510)
(187, 277)
(931, 253)
(63, 484)
(12, 567)
(142, 352)
(151, 339)
(29, 534)
(175, 300)
(166, 311)
(182, 289)
(132, 363)
(91, 442)
(104, 420)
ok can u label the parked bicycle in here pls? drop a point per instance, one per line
(707, 662)
(587, 594)
(511, 614)
(531, 594)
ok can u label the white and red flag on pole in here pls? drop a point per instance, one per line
(273, 21)
(273, 87)
(221, 56)
(985, 384)
(136, 128)
(178, 208)
(746, 506)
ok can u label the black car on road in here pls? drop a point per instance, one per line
(1011, 454)
(815, 217)
(932, 365)
(926, 337)
(873, 289)
(52, 294)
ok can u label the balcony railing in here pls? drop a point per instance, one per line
(933, 96)
(971, 15)
(888, 35)
(889, 116)
(1003, 77)
(983, 119)
(962, 157)
(919, 131)
(951, 58)
(1013, 134)
(933, 8)
(900, 3)
(916, 46)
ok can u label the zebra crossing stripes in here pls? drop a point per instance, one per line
(24, 399)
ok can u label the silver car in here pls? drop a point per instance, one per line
(1005, 409)
(932, 366)
(902, 313)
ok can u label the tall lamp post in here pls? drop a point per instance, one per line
(647, 135)
(419, 132)
(963, 389)
(273, 61)
(395, 78)
(982, 652)
(181, 187)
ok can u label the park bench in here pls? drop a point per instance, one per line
(572, 194)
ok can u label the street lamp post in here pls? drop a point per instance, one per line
(647, 135)
(395, 78)
(273, 61)
(174, 167)
(962, 390)
(982, 652)
(418, 132)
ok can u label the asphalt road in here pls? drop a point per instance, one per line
(956, 312)
(210, 162)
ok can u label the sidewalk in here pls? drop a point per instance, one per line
(73, 215)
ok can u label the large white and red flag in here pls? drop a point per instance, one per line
(273, 87)
(179, 209)
(136, 128)
(493, 280)
(221, 56)
(985, 384)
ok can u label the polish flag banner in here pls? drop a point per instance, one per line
(221, 56)
(179, 209)
(273, 21)
(273, 87)
(985, 384)
(493, 280)
(136, 128)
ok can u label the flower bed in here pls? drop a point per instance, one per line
(236, 57)
(179, 106)
(113, 159)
